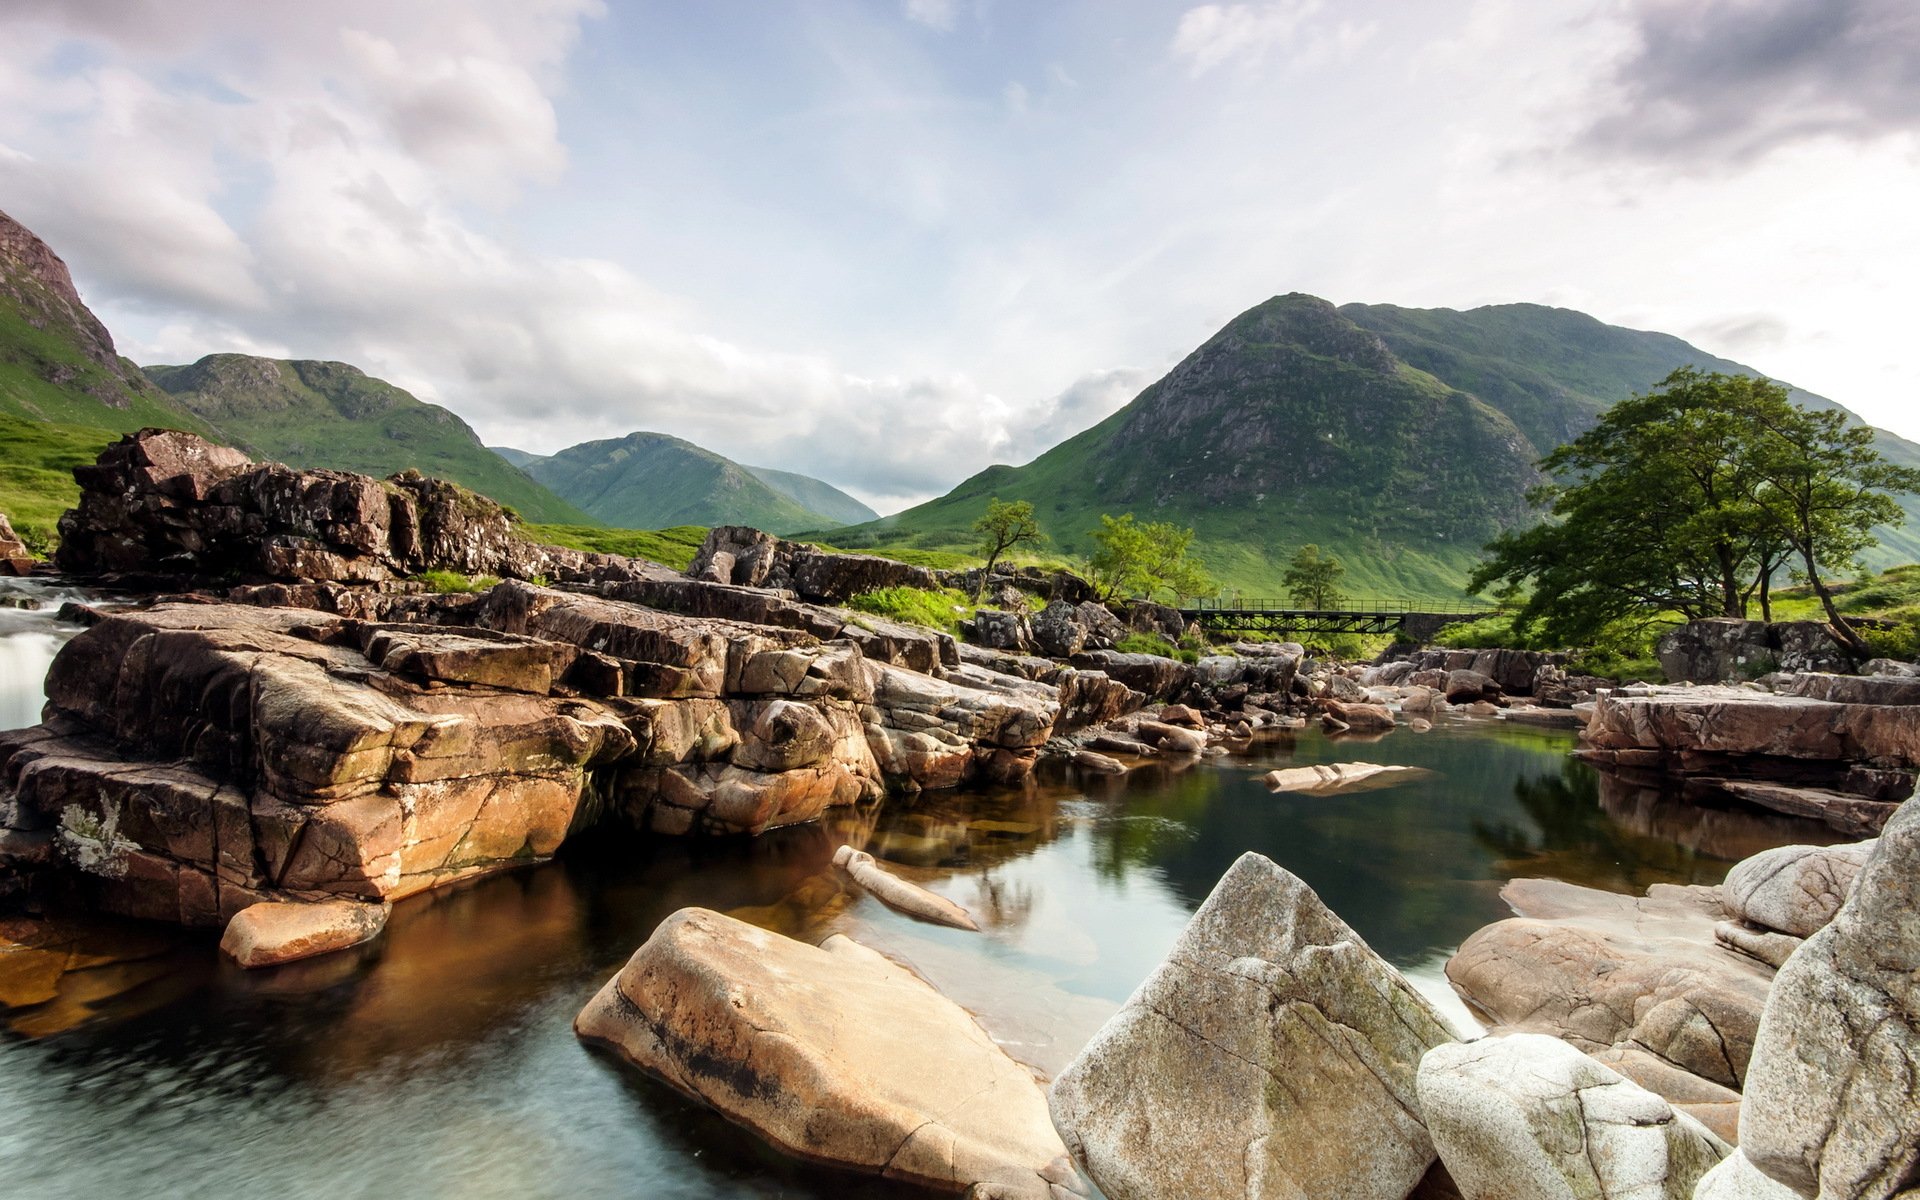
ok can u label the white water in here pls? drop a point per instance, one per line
(29, 639)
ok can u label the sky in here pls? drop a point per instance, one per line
(890, 243)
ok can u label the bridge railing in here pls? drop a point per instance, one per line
(1254, 604)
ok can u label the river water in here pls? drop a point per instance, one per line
(439, 1061)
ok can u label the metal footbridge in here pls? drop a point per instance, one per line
(1415, 620)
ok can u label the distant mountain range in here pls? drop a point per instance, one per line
(1400, 439)
(653, 481)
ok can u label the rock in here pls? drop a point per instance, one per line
(1603, 970)
(1360, 718)
(1721, 649)
(1327, 777)
(1829, 1102)
(999, 630)
(1272, 1054)
(1528, 1116)
(1183, 716)
(1467, 687)
(1738, 1179)
(898, 894)
(266, 935)
(1063, 630)
(1794, 889)
(1154, 677)
(1769, 946)
(15, 558)
(832, 1054)
(1144, 616)
(1090, 760)
(1171, 739)
(743, 556)
(1420, 725)
(1849, 814)
(1686, 725)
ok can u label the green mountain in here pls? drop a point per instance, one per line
(653, 481)
(1553, 370)
(329, 414)
(816, 495)
(519, 458)
(65, 392)
(1291, 425)
(1400, 439)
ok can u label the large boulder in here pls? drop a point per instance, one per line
(744, 556)
(1272, 1054)
(832, 1054)
(1831, 1107)
(1528, 1117)
(1794, 889)
(1723, 649)
(266, 935)
(1605, 971)
(1062, 630)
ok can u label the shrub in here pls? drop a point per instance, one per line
(941, 609)
(1153, 643)
(452, 582)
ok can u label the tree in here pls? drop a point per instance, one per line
(1688, 500)
(1823, 487)
(1311, 577)
(1004, 527)
(1138, 560)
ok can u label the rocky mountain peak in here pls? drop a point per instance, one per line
(37, 280)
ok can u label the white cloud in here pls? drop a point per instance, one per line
(934, 14)
(1212, 35)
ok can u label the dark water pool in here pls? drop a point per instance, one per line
(439, 1061)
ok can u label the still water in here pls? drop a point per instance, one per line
(439, 1061)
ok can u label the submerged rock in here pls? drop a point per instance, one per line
(1528, 1117)
(1328, 776)
(832, 1054)
(1272, 1054)
(266, 935)
(898, 894)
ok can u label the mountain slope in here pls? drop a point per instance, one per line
(64, 389)
(653, 481)
(1291, 425)
(328, 414)
(1553, 370)
(816, 496)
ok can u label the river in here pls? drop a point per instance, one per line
(439, 1061)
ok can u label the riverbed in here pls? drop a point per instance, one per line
(439, 1061)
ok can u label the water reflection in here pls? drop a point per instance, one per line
(439, 1060)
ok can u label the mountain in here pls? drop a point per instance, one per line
(1401, 439)
(653, 481)
(1290, 425)
(519, 458)
(1553, 370)
(64, 389)
(816, 495)
(329, 414)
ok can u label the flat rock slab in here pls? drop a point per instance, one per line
(1855, 815)
(1528, 1117)
(832, 1054)
(266, 935)
(898, 894)
(1272, 1054)
(1334, 777)
(1601, 969)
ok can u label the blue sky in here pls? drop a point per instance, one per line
(889, 243)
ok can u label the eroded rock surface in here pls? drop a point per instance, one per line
(1528, 1117)
(832, 1054)
(1794, 889)
(266, 935)
(1272, 1054)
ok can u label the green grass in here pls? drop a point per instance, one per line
(943, 609)
(36, 469)
(670, 547)
(454, 583)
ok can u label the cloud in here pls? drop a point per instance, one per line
(934, 14)
(1214, 35)
(1722, 82)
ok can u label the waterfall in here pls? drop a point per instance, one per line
(29, 638)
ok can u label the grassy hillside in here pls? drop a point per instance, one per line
(1291, 425)
(815, 495)
(1553, 370)
(327, 414)
(653, 481)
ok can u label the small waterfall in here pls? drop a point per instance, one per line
(29, 638)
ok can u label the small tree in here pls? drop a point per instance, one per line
(1311, 577)
(1004, 527)
(1139, 560)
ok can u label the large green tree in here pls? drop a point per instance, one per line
(1688, 500)
(1131, 559)
(1313, 577)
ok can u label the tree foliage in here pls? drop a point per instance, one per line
(1142, 560)
(1312, 578)
(1005, 526)
(1689, 500)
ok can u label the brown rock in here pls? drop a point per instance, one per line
(266, 935)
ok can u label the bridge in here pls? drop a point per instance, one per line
(1414, 620)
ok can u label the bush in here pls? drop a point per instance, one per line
(452, 582)
(941, 609)
(1153, 643)
(37, 538)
